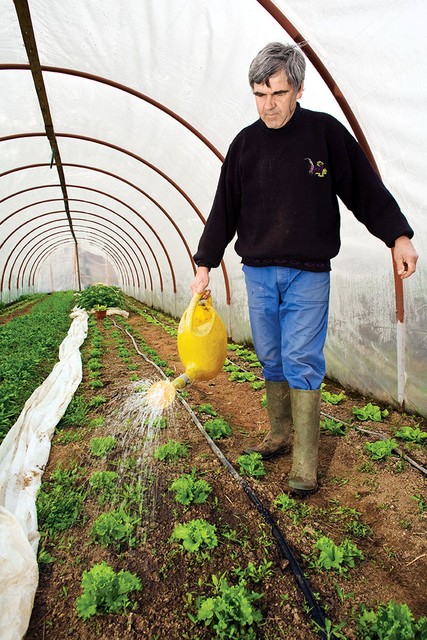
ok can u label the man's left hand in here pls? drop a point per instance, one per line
(405, 257)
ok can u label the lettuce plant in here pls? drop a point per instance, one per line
(188, 489)
(195, 535)
(105, 591)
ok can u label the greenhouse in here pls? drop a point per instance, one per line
(132, 502)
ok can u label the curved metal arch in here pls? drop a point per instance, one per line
(55, 221)
(120, 216)
(48, 251)
(121, 87)
(116, 176)
(135, 157)
(30, 256)
(45, 254)
(96, 215)
(111, 243)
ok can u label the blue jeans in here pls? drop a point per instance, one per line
(288, 311)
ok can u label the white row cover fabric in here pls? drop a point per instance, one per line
(23, 457)
(145, 98)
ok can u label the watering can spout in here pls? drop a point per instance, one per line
(182, 381)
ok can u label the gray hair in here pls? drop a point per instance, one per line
(273, 58)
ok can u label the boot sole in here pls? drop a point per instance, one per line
(302, 493)
(268, 456)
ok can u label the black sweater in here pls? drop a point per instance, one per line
(278, 190)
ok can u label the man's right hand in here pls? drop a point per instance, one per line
(200, 282)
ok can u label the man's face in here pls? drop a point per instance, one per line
(276, 103)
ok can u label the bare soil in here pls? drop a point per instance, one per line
(380, 493)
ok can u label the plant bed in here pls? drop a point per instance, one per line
(378, 505)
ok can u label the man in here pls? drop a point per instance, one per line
(278, 190)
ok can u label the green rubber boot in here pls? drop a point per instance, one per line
(306, 418)
(279, 415)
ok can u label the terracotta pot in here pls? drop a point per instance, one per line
(100, 313)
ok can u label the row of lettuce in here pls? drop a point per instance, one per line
(38, 336)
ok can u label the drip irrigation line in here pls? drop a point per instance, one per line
(381, 436)
(315, 611)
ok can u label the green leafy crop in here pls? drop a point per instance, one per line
(99, 447)
(412, 434)
(104, 483)
(188, 489)
(334, 427)
(381, 448)
(105, 591)
(171, 451)
(230, 612)
(295, 510)
(100, 294)
(370, 412)
(218, 428)
(333, 398)
(251, 464)
(196, 535)
(60, 500)
(337, 557)
(114, 527)
(390, 622)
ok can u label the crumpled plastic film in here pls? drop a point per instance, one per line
(23, 457)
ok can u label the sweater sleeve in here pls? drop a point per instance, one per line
(363, 192)
(221, 224)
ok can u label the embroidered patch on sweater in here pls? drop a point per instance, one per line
(317, 169)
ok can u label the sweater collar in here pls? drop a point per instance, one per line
(289, 125)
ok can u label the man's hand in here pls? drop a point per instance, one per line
(200, 282)
(405, 257)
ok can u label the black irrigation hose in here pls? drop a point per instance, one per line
(314, 609)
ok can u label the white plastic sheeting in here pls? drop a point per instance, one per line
(23, 457)
(145, 97)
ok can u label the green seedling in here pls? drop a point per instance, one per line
(188, 489)
(105, 591)
(337, 557)
(104, 484)
(390, 621)
(94, 364)
(370, 412)
(334, 427)
(60, 500)
(422, 503)
(218, 428)
(100, 447)
(412, 434)
(195, 535)
(96, 384)
(242, 376)
(251, 464)
(333, 398)
(381, 449)
(97, 422)
(259, 384)
(171, 451)
(208, 409)
(254, 573)
(230, 612)
(97, 401)
(76, 413)
(297, 511)
(115, 528)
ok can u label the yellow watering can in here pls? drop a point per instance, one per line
(202, 348)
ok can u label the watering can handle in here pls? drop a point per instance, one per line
(188, 324)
